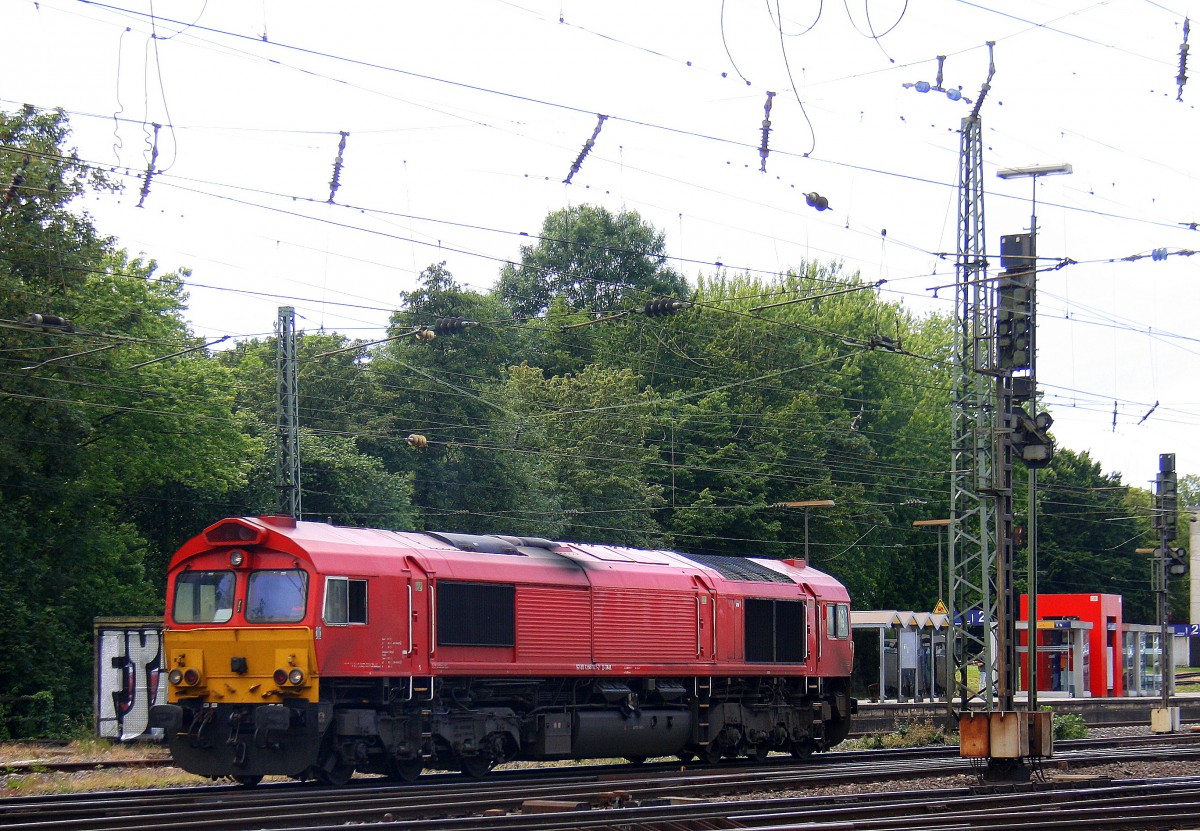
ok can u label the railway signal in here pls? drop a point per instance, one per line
(1014, 314)
(1168, 562)
(1177, 562)
(1166, 507)
(1031, 438)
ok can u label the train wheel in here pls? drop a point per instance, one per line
(803, 749)
(333, 771)
(636, 760)
(836, 730)
(475, 766)
(758, 752)
(405, 770)
(247, 781)
(685, 757)
(713, 753)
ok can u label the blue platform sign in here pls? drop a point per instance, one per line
(975, 617)
(1185, 629)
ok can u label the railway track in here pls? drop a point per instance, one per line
(1133, 805)
(52, 765)
(649, 794)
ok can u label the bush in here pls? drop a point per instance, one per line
(1068, 725)
(908, 734)
(24, 717)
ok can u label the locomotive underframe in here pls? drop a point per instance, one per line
(399, 726)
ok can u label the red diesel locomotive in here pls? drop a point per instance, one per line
(312, 651)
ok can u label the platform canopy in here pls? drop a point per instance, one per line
(893, 619)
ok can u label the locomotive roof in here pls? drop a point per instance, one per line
(333, 549)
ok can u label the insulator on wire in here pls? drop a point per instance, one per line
(150, 167)
(449, 326)
(1181, 78)
(425, 335)
(587, 148)
(663, 306)
(764, 149)
(336, 181)
(416, 441)
(18, 179)
(816, 200)
(49, 323)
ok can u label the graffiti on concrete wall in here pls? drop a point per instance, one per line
(129, 676)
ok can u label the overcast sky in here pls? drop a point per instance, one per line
(464, 118)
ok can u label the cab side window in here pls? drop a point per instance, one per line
(837, 621)
(345, 601)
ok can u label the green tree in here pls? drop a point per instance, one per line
(591, 432)
(339, 406)
(594, 260)
(348, 487)
(469, 478)
(109, 411)
(796, 387)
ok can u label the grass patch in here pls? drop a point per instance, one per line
(24, 768)
(1187, 679)
(101, 779)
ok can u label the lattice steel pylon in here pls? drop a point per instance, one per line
(287, 414)
(978, 482)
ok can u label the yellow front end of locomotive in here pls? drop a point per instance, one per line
(241, 666)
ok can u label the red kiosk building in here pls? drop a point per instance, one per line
(1101, 673)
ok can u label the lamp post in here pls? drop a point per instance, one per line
(1033, 172)
(806, 504)
(939, 524)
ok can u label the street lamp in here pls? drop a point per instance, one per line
(1033, 172)
(806, 504)
(939, 524)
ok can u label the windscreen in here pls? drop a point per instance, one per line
(203, 597)
(276, 596)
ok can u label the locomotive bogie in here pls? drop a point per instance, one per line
(243, 741)
(305, 650)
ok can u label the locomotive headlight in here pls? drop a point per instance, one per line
(280, 677)
(296, 676)
(237, 557)
(175, 676)
(191, 677)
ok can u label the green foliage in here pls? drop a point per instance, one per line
(589, 432)
(351, 488)
(594, 260)
(473, 477)
(908, 734)
(1068, 725)
(89, 440)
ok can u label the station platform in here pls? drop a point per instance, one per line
(885, 716)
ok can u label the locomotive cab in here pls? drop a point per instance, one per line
(243, 686)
